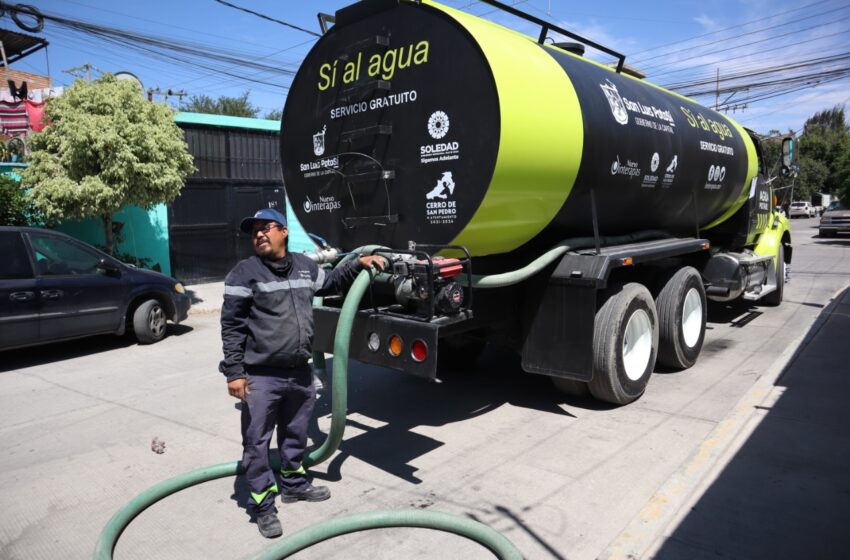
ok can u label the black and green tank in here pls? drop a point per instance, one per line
(420, 123)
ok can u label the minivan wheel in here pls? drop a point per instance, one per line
(149, 322)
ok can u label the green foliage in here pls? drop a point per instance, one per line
(105, 147)
(231, 106)
(15, 208)
(813, 174)
(772, 150)
(128, 258)
(275, 115)
(824, 149)
(842, 176)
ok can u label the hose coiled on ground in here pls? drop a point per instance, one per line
(478, 532)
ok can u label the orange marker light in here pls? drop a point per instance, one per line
(395, 346)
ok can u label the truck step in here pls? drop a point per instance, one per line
(756, 295)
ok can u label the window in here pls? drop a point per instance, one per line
(14, 263)
(55, 256)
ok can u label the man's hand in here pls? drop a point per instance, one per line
(238, 388)
(374, 261)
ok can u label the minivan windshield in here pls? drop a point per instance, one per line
(835, 205)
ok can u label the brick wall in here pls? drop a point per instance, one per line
(34, 81)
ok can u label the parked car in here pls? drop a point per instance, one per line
(801, 210)
(54, 287)
(835, 220)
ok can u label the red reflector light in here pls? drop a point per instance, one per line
(419, 350)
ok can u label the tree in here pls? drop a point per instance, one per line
(105, 147)
(824, 150)
(232, 106)
(274, 115)
(843, 176)
(15, 208)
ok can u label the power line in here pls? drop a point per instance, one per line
(761, 30)
(682, 87)
(259, 15)
(846, 99)
(215, 59)
(771, 38)
(753, 61)
(259, 58)
(730, 28)
(162, 23)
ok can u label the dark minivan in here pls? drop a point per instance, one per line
(54, 287)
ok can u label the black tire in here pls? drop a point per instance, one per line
(774, 298)
(826, 233)
(571, 387)
(149, 322)
(680, 304)
(613, 381)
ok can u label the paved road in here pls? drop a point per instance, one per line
(562, 477)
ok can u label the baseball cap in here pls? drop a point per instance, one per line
(264, 214)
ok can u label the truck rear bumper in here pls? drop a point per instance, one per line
(368, 322)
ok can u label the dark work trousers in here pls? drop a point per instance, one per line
(285, 401)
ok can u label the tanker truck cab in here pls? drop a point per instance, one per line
(543, 202)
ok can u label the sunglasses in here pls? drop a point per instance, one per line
(266, 228)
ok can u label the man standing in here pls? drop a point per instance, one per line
(267, 332)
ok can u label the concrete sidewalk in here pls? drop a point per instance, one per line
(206, 298)
(777, 482)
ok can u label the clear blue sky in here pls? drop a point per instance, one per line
(673, 41)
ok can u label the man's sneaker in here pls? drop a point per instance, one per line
(269, 526)
(309, 494)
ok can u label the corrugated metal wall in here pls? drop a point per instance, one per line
(238, 173)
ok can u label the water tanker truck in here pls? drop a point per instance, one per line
(523, 195)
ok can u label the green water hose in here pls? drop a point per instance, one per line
(522, 274)
(463, 526)
(480, 533)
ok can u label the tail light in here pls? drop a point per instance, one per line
(419, 350)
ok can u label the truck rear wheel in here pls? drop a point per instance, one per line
(774, 298)
(681, 319)
(625, 345)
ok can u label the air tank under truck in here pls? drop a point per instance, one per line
(524, 195)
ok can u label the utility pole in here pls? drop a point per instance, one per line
(717, 92)
(88, 67)
(179, 94)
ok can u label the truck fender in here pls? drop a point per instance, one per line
(773, 237)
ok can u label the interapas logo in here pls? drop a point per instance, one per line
(618, 108)
(325, 204)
